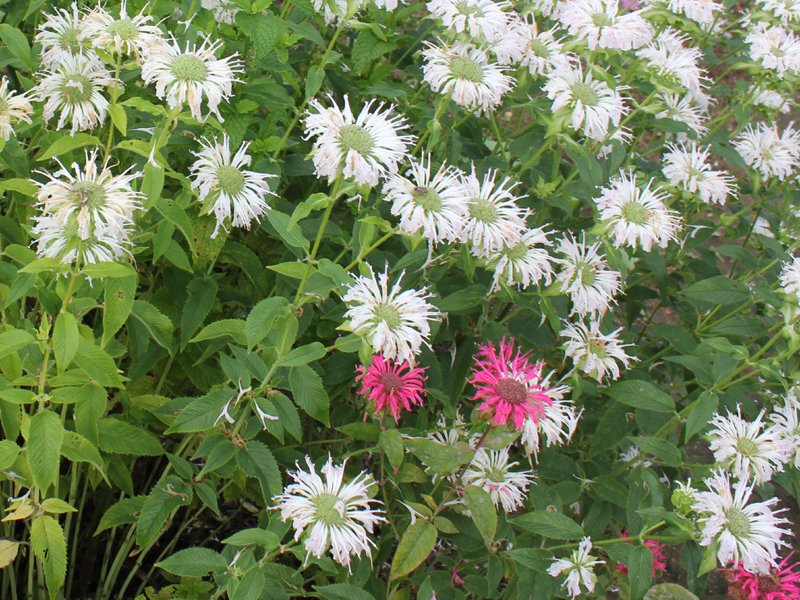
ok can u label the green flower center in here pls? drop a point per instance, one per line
(483, 210)
(231, 180)
(602, 19)
(77, 89)
(512, 391)
(747, 447)
(588, 274)
(738, 523)
(389, 315)
(427, 199)
(69, 40)
(3, 105)
(189, 68)
(355, 137)
(86, 193)
(584, 92)
(124, 29)
(633, 212)
(517, 252)
(465, 68)
(467, 9)
(777, 52)
(598, 348)
(328, 509)
(695, 173)
(391, 381)
(539, 49)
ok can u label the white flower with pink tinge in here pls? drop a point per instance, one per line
(578, 568)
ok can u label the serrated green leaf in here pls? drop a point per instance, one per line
(262, 316)
(8, 454)
(233, 328)
(17, 43)
(641, 394)
(177, 215)
(257, 461)
(11, 341)
(119, 437)
(67, 143)
(303, 355)
(254, 537)
(118, 298)
(123, 512)
(158, 325)
(57, 506)
(168, 495)
(718, 290)
(482, 510)
(76, 448)
(202, 292)
(90, 406)
(550, 524)
(108, 269)
(700, 416)
(97, 364)
(201, 414)
(663, 449)
(343, 591)
(640, 571)
(65, 339)
(44, 448)
(251, 585)
(415, 546)
(308, 392)
(50, 547)
(152, 185)
(119, 118)
(194, 562)
(263, 29)
(391, 442)
(8, 552)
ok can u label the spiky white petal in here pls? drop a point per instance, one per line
(604, 25)
(594, 352)
(125, 35)
(14, 108)
(60, 36)
(786, 422)
(480, 19)
(700, 11)
(771, 153)
(775, 48)
(522, 263)
(558, 425)
(687, 167)
(586, 277)
(224, 11)
(491, 471)
(578, 568)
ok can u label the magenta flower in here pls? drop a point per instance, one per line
(778, 584)
(511, 388)
(391, 385)
(657, 548)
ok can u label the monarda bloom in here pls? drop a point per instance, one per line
(780, 583)
(390, 385)
(511, 388)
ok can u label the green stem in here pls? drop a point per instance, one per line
(369, 249)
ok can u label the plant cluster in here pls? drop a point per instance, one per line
(347, 299)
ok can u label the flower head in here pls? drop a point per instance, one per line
(224, 11)
(593, 352)
(363, 148)
(592, 106)
(76, 87)
(185, 76)
(465, 73)
(683, 109)
(494, 220)
(226, 188)
(782, 582)
(431, 206)
(637, 216)
(61, 35)
(523, 262)
(478, 18)
(746, 449)
(13, 109)
(542, 51)
(775, 48)
(586, 277)
(339, 514)
(491, 471)
(603, 25)
(688, 168)
(390, 385)
(747, 534)
(672, 62)
(395, 323)
(785, 10)
(770, 99)
(511, 388)
(786, 422)
(126, 35)
(578, 568)
(771, 153)
(700, 11)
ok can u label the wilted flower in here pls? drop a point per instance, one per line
(390, 385)
(578, 568)
(226, 188)
(464, 72)
(185, 76)
(510, 387)
(491, 471)
(339, 514)
(747, 534)
(364, 148)
(395, 323)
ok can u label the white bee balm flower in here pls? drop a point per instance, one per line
(491, 471)
(578, 568)
(338, 515)
(14, 108)
(362, 148)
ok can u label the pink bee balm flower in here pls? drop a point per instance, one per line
(391, 385)
(657, 548)
(779, 584)
(511, 388)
